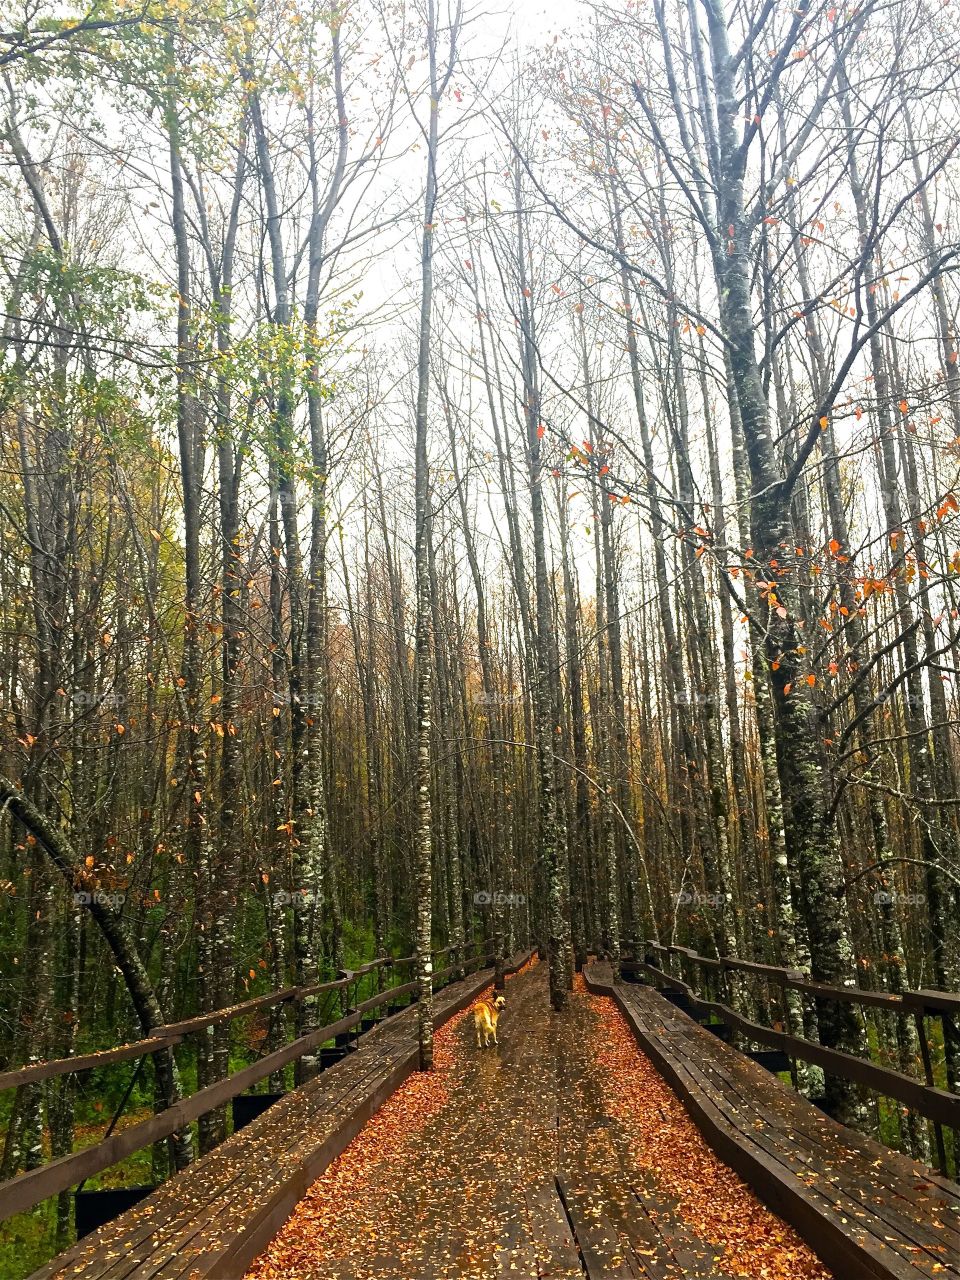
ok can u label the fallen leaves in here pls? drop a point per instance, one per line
(665, 1141)
(357, 1217)
(454, 1176)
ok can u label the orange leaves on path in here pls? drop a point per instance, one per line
(665, 1141)
(444, 1179)
(313, 1234)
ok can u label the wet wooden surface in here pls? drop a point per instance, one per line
(562, 1152)
(214, 1217)
(513, 1161)
(870, 1211)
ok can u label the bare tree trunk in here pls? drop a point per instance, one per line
(212, 1050)
(111, 925)
(423, 858)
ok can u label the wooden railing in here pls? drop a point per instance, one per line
(28, 1189)
(941, 1106)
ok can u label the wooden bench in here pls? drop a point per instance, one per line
(212, 1219)
(866, 1211)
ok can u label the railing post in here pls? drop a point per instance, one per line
(951, 1042)
(785, 1016)
(928, 1073)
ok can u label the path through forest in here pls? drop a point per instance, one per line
(559, 1151)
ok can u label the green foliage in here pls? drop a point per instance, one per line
(358, 943)
(27, 1241)
(88, 296)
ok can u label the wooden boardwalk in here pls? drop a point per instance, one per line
(870, 1211)
(212, 1218)
(563, 1153)
(521, 1168)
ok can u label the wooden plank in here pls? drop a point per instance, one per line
(550, 1233)
(171, 1033)
(691, 1256)
(385, 997)
(848, 995)
(604, 1253)
(515, 1257)
(218, 1016)
(894, 1208)
(648, 1251)
(930, 999)
(728, 962)
(370, 966)
(262, 1222)
(86, 1061)
(844, 1247)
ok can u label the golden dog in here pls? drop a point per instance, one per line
(486, 1014)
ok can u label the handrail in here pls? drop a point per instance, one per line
(28, 1189)
(392, 993)
(168, 1034)
(941, 1106)
(86, 1061)
(928, 1000)
(937, 1104)
(172, 1033)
